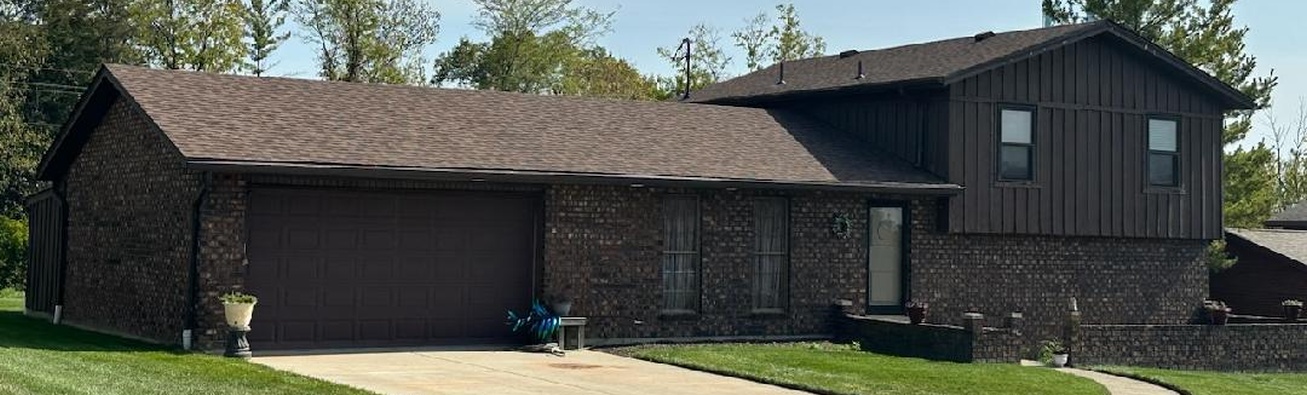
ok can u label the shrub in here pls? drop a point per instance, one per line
(13, 253)
(1218, 259)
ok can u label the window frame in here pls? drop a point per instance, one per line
(1031, 146)
(697, 291)
(1175, 156)
(783, 272)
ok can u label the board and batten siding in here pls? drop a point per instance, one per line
(912, 127)
(1092, 100)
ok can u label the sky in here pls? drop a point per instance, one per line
(1276, 36)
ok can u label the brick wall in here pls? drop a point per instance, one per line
(1235, 347)
(932, 341)
(1114, 280)
(129, 206)
(602, 248)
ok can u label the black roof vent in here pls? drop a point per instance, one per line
(982, 36)
(848, 53)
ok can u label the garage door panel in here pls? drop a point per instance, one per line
(337, 330)
(388, 268)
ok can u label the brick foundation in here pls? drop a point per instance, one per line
(1234, 347)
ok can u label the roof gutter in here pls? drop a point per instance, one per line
(546, 177)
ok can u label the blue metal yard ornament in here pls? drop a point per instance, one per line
(539, 322)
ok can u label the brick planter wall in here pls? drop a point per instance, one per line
(129, 208)
(932, 341)
(1235, 347)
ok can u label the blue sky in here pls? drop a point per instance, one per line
(1276, 38)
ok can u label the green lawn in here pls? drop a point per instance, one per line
(1222, 383)
(40, 358)
(837, 369)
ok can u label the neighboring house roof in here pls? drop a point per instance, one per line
(1289, 243)
(248, 123)
(1293, 217)
(937, 63)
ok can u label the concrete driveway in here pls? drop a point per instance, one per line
(510, 372)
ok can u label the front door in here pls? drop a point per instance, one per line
(886, 251)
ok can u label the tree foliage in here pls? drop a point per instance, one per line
(13, 253)
(263, 19)
(1204, 34)
(540, 46)
(782, 41)
(22, 50)
(200, 35)
(368, 40)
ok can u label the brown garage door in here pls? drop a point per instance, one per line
(359, 269)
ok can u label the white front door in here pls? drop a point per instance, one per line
(885, 260)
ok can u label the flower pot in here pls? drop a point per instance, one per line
(561, 308)
(916, 315)
(1291, 313)
(238, 314)
(1059, 360)
(1218, 317)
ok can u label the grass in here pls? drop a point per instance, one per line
(39, 358)
(1224, 383)
(835, 369)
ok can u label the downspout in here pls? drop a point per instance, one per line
(193, 289)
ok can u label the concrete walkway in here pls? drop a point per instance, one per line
(1117, 385)
(509, 373)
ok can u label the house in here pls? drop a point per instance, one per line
(1271, 265)
(991, 173)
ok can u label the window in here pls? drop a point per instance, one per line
(680, 254)
(1163, 153)
(771, 253)
(1016, 148)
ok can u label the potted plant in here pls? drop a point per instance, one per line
(1292, 309)
(561, 305)
(239, 308)
(916, 311)
(1217, 312)
(1054, 353)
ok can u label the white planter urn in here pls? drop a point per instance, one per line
(1059, 360)
(238, 314)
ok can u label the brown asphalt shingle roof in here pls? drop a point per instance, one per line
(1290, 243)
(941, 62)
(925, 61)
(212, 117)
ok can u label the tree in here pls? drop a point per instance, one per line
(22, 52)
(263, 18)
(792, 42)
(1250, 176)
(708, 62)
(599, 74)
(200, 35)
(534, 46)
(13, 253)
(368, 40)
(1204, 34)
(785, 40)
(1289, 144)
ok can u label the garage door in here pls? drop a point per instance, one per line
(338, 268)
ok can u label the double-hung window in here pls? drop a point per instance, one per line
(1016, 150)
(771, 253)
(680, 254)
(1163, 152)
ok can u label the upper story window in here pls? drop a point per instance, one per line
(1163, 152)
(1016, 150)
(680, 253)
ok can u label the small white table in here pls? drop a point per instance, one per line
(576, 322)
